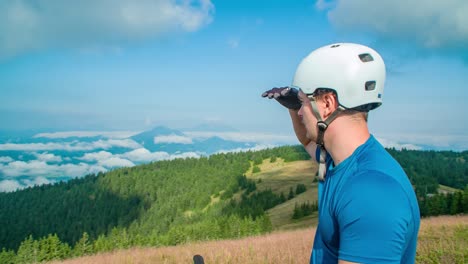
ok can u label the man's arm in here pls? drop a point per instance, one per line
(301, 134)
(374, 219)
(288, 97)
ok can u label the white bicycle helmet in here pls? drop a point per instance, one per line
(355, 72)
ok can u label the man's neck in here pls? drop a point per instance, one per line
(344, 136)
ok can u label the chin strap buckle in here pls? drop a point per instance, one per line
(321, 156)
(321, 127)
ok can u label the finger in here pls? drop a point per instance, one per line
(270, 95)
(285, 91)
(277, 95)
(265, 94)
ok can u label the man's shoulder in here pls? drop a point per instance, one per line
(376, 158)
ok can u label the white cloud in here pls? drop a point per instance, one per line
(185, 155)
(5, 159)
(41, 168)
(438, 24)
(39, 146)
(116, 162)
(107, 159)
(78, 170)
(124, 143)
(18, 168)
(172, 139)
(37, 181)
(263, 138)
(14, 185)
(96, 156)
(417, 141)
(395, 144)
(80, 134)
(144, 155)
(72, 146)
(48, 157)
(10, 186)
(29, 25)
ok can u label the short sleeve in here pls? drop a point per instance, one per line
(373, 216)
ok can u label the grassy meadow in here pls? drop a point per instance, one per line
(442, 239)
(281, 176)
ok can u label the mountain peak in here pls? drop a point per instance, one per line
(212, 127)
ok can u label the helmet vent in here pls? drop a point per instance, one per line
(335, 46)
(366, 57)
(370, 85)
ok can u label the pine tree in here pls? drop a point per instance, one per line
(83, 246)
(282, 198)
(27, 251)
(300, 188)
(256, 169)
(7, 256)
(465, 200)
(51, 248)
(291, 194)
(297, 212)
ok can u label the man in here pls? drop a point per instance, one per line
(368, 211)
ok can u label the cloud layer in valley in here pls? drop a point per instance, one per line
(53, 161)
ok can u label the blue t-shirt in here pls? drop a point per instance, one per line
(368, 211)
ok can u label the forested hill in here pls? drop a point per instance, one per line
(171, 202)
(428, 169)
(146, 202)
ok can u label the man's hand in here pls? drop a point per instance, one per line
(286, 96)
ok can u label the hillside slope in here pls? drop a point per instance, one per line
(160, 203)
(281, 177)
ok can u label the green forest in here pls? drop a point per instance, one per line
(183, 200)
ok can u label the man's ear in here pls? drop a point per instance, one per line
(330, 104)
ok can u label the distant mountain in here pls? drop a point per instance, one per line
(174, 141)
(212, 127)
(216, 144)
(146, 138)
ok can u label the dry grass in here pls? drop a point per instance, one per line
(446, 190)
(281, 215)
(284, 247)
(441, 240)
(280, 176)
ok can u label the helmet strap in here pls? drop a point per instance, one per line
(321, 156)
(322, 125)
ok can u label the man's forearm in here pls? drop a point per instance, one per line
(301, 134)
(299, 128)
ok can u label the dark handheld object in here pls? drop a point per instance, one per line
(197, 259)
(286, 96)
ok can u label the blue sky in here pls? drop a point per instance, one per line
(132, 65)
